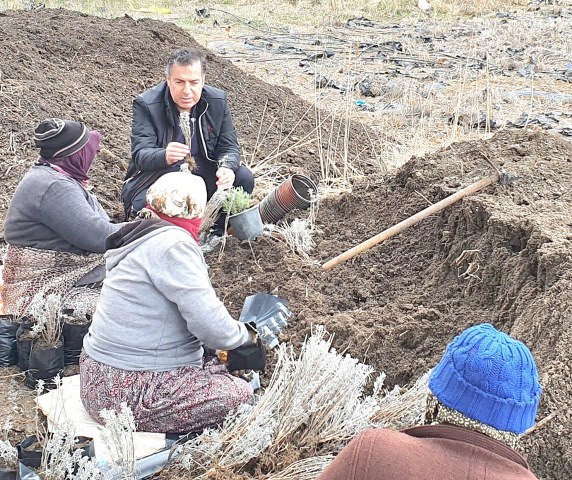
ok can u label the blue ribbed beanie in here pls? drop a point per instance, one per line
(489, 377)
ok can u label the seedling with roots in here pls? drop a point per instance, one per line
(185, 121)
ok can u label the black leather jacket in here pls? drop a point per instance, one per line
(154, 120)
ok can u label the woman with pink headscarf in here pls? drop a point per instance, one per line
(156, 315)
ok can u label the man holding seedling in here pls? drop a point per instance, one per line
(158, 141)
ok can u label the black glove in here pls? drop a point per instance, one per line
(247, 357)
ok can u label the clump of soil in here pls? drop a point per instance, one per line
(502, 256)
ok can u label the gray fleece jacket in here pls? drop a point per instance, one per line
(52, 211)
(157, 306)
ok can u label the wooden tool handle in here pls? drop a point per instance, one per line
(390, 232)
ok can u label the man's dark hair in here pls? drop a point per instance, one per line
(184, 57)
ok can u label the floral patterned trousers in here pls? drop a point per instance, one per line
(187, 399)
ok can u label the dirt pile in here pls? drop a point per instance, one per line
(503, 256)
(58, 63)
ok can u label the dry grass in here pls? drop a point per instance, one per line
(264, 13)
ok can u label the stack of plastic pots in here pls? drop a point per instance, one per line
(296, 192)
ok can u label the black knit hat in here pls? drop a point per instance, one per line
(60, 138)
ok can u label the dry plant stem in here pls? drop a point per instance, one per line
(41, 432)
(306, 469)
(257, 144)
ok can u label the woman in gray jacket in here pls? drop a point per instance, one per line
(157, 309)
(55, 227)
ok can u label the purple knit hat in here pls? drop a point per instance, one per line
(489, 377)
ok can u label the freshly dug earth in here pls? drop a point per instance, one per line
(502, 256)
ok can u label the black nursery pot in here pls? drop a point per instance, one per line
(8, 347)
(23, 345)
(45, 364)
(73, 334)
(30, 452)
(85, 444)
(6, 474)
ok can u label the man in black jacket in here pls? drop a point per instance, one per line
(158, 145)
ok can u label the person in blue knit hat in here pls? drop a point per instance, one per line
(483, 395)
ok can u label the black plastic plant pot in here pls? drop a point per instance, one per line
(8, 347)
(7, 474)
(30, 452)
(45, 364)
(73, 341)
(85, 444)
(23, 345)
(247, 224)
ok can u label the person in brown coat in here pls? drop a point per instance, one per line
(483, 395)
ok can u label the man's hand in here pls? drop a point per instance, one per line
(225, 178)
(175, 152)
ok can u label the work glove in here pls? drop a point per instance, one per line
(246, 358)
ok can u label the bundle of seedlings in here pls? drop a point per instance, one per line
(75, 325)
(212, 211)
(297, 235)
(314, 404)
(57, 453)
(118, 434)
(62, 459)
(46, 359)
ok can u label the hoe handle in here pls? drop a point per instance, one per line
(390, 232)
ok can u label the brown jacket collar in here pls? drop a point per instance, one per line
(452, 432)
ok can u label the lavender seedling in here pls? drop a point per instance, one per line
(45, 311)
(118, 433)
(185, 123)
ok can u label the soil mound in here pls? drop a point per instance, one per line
(502, 256)
(59, 63)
